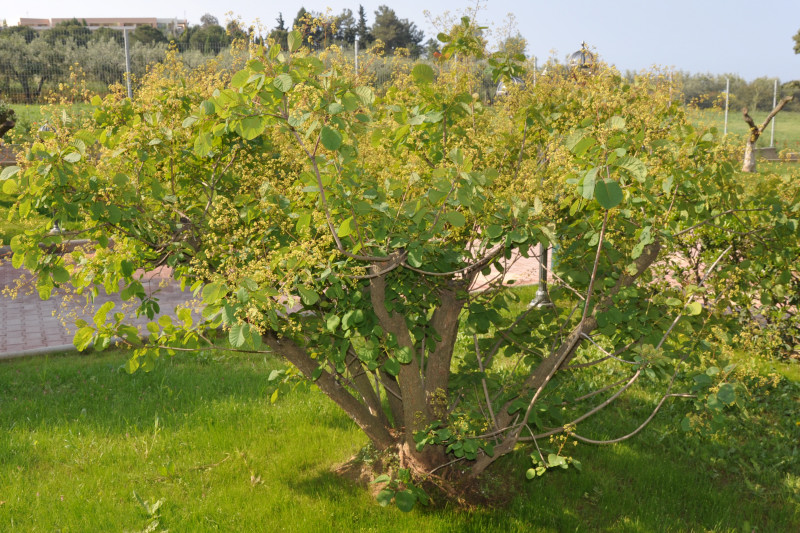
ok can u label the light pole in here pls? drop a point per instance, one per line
(582, 60)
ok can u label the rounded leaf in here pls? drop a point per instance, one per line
(422, 73)
(608, 193)
(283, 82)
(330, 138)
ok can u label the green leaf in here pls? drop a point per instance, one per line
(202, 144)
(616, 123)
(586, 187)
(405, 500)
(83, 337)
(392, 367)
(636, 168)
(694, 308)
(383, 478)
(608, 193)
(120, 179)
(238, 335)
(726, 394)
(294, 40)
(10, 187)
(213, 292)
(404, 355)
(239, 79)
(494, 231)
(102, 313)
(346, 227)
(583, 145)
(251, 127)
(422, 73)
(283, 82)
(303, 222)
(60, 274)
(72, 157)
(455, 218)
(9, 172)
(331, 139)
(333, 322)
(385, 497)
(308, 296)
(365, 95)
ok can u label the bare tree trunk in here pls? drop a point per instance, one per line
(749, 164)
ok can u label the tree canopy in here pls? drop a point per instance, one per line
(395, 32)
(364, 239)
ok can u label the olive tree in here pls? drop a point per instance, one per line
(345, 231)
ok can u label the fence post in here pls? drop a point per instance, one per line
(127, 63)
(727, 94)
(356, 55)
(774, 103)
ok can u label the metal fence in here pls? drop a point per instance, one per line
(33, 72)
(36, 72)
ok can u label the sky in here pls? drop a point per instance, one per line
(739, 37)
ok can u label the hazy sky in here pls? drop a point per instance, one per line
(751, 39)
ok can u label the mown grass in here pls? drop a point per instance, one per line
(79, 436)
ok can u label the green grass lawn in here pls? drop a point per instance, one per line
(80, 440)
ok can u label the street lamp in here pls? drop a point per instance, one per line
(581, 61)
(542, 298)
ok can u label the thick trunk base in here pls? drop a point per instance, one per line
(447, 486)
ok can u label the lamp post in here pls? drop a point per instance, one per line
(581, 61)
(542, 298)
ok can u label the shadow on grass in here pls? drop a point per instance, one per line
(634, 486)
(96, 390)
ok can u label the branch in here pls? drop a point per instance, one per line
(594, 268)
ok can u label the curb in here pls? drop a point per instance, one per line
(44, 350)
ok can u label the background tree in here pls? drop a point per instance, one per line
(209, 39)
(208, 20)
(107, 34)
(346, 27)
(32, 64)
(279, 33)
(27, 32)
(395, 32)
(797, 42)
(102, 60)
(431, 48)
(362, 28)
(235, 31)
(514, 44)
(75, 30)
(148, 35)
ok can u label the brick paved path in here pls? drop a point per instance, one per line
(29, 325)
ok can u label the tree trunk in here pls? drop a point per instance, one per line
(749, 164)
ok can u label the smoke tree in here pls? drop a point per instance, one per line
(344, 232)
